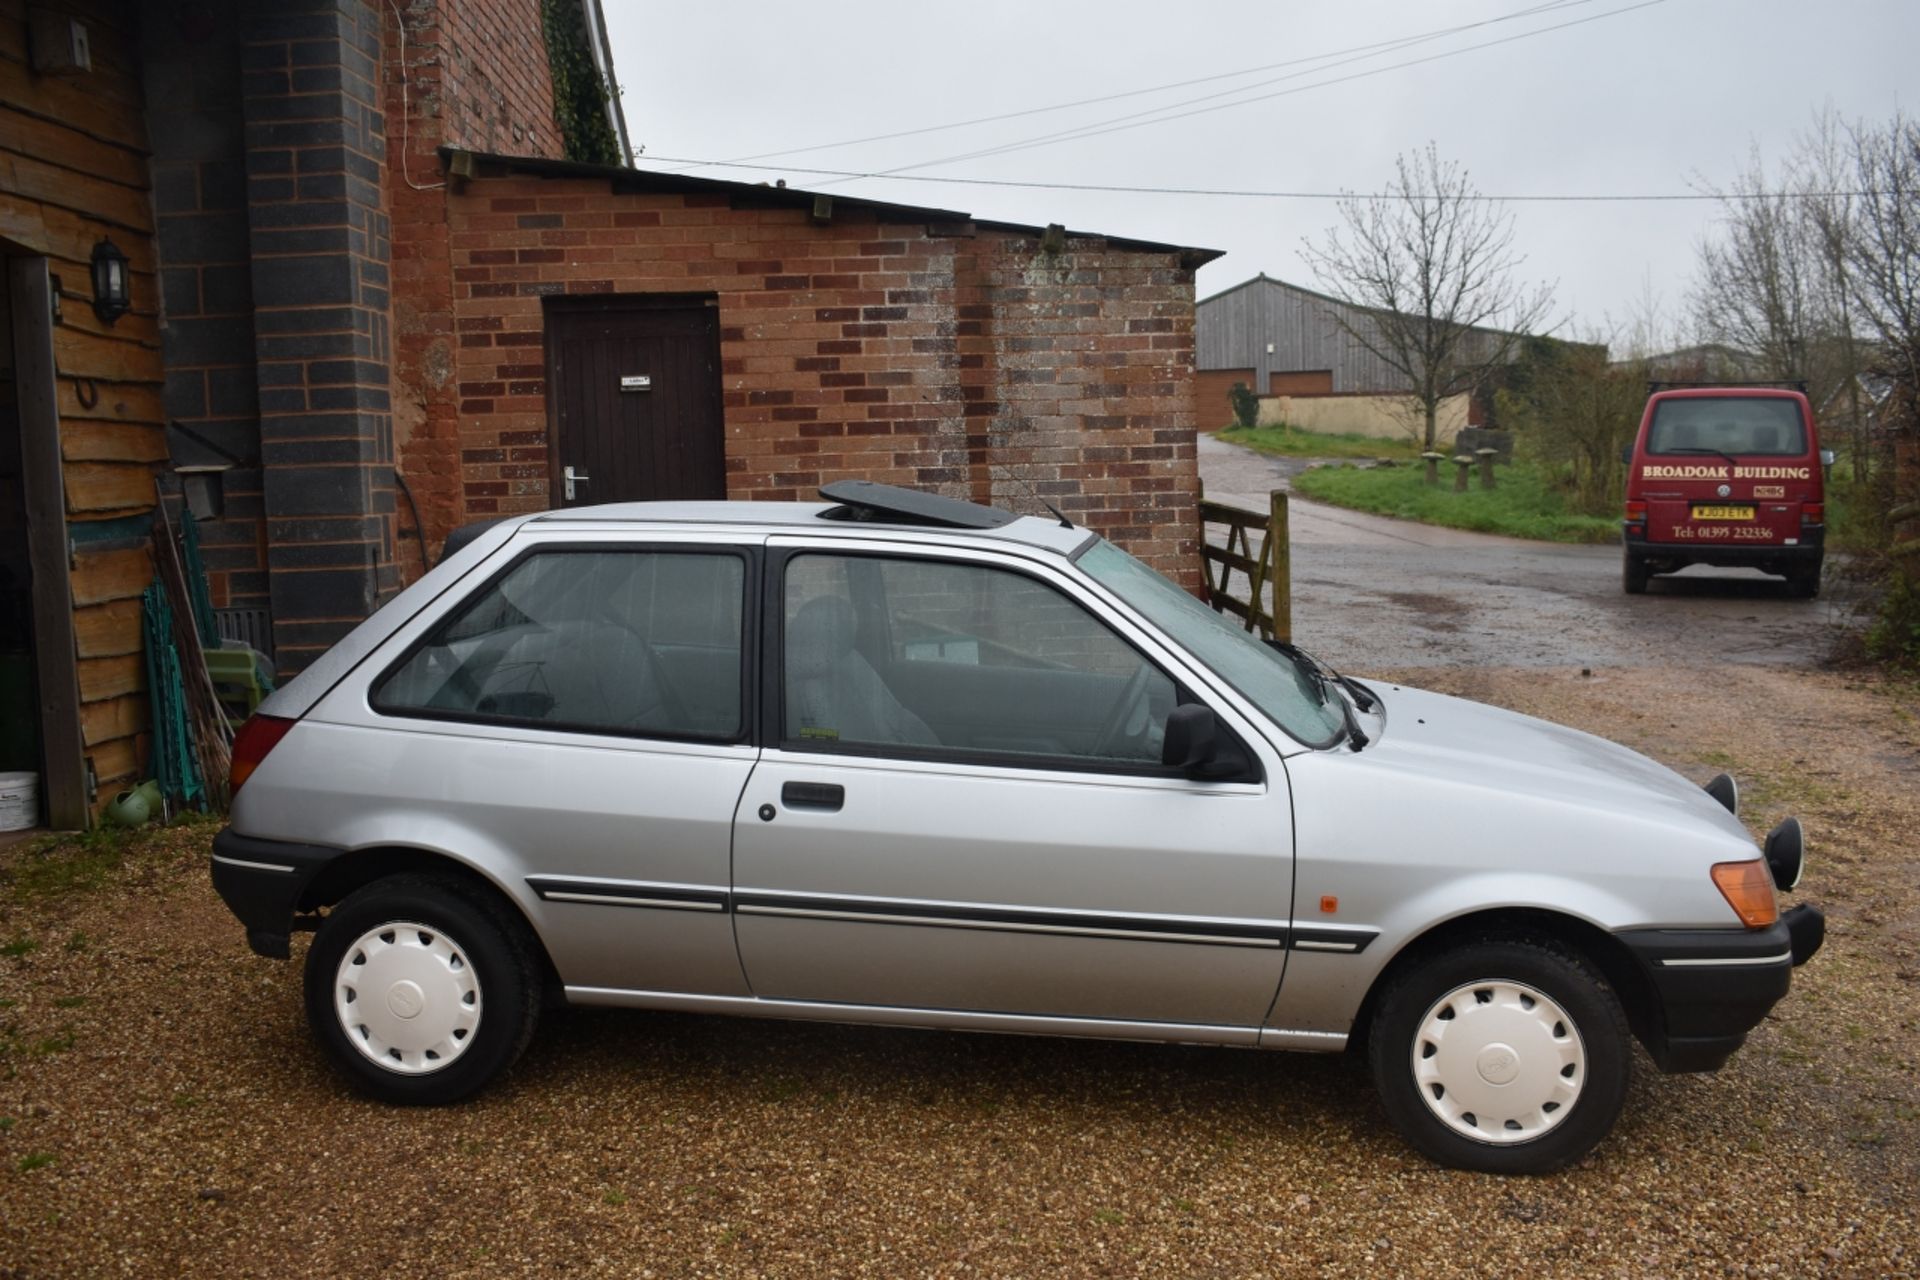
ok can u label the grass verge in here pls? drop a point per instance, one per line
(1290, 442)
(1524, 506)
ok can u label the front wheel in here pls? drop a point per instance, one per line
(1502, 1057)
(422, 989)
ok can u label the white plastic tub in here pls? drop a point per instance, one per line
(19, 801)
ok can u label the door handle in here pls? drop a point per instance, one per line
(828, 796)
(571, 478)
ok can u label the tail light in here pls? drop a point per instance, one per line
(259, 735)
(1813, 513)
(1636, 513)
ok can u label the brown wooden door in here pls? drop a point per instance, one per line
(635, 440)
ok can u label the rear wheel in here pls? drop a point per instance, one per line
(422, 989)
(1502, 1057)
(1804, 582)
(1633, 574)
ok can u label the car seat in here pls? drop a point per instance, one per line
(833, 692)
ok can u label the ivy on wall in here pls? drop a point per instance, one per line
(579, 90)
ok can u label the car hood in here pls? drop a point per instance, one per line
(1469, 743)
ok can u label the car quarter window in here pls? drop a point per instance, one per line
(961, 659)
(640, 642)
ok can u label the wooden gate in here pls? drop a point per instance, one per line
(1266, 565)
(633, 399)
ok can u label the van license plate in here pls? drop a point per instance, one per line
(1723, 513)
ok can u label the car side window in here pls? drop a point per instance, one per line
(961, 660)
(640, 642)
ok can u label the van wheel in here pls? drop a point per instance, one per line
(1804, 583)
(1502, 1057)
(1633, 574)
(421, 989)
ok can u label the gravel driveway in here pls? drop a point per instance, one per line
(163, 1112)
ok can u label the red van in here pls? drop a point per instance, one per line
(1725, 475)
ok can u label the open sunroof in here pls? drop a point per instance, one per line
(890, 504)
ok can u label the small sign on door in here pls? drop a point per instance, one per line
(635, 382)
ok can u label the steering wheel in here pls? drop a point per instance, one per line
(1132, 699)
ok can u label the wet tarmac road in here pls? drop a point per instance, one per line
(1372, 593)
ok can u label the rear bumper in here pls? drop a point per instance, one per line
(1769, 557)
(1712, 986)
(261, 882)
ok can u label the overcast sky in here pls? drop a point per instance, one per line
(1662, 98)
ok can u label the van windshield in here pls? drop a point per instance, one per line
(1738, 426)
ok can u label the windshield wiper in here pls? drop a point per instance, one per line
(1718, 453)
(1351, 694)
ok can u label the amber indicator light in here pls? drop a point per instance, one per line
(1748, 889)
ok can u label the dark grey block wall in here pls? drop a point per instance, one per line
(191, 68)
(315, 146)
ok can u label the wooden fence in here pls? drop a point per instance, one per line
(1265, 567)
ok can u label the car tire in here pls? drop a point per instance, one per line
(422, 989)
(1538, 1080)
(1633, 574)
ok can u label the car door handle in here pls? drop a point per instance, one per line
(813, 795)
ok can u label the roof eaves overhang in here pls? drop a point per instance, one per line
(480, 165)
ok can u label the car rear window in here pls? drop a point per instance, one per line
(1740, 426)
(626, 642)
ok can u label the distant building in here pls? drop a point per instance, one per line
(1281, 339)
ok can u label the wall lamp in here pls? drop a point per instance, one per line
(112, 285)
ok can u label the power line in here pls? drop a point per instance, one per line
(1399, 42)
(1134, 121)
(1115, 189)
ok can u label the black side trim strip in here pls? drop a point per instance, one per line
(628, 894)
(1168, 928)
(1349, 942)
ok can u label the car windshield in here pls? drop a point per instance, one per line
(1290, 694)
(1737, 426)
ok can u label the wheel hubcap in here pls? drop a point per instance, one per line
(1498, 1062)
(407, 998)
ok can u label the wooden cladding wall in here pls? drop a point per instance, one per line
(73, 169)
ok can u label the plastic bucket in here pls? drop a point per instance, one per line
(19, 801)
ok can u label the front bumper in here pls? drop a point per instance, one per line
(262, 881)
(1712, 986)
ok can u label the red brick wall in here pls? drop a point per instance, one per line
(475, 76)
(1212, 409)
(951, 358)
(1087, 394)
(1301, 382)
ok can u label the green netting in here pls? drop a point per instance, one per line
(174, 761)
(196, 570)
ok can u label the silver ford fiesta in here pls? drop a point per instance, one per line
(900, 759)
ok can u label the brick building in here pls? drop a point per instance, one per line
(793, 338)
(373, 298)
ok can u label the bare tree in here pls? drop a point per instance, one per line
(1573, 409)
(1775, 279)
(1429, 267)
(1754, 291)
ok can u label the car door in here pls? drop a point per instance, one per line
(577, 728)
(960, 806)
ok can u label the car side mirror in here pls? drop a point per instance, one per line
(1626, 455)
(1196, 745)
(1826, 457)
